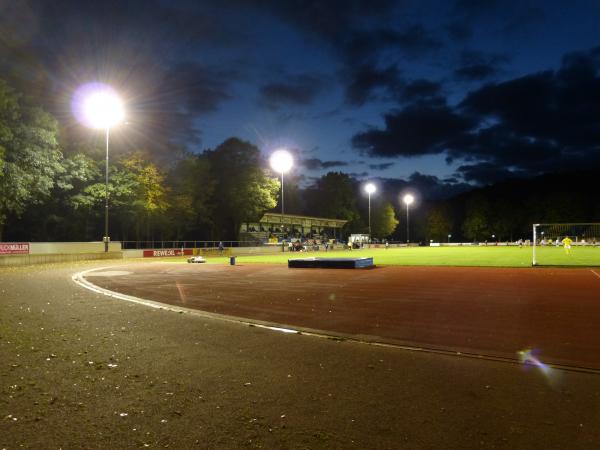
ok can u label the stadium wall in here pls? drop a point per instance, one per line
(24, 260)
(26, 253)
(44, 248)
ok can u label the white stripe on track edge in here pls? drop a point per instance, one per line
(79, 279)
(594, 273)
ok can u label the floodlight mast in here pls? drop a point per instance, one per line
(370, 188)
(408, 199)
(105, 238)
(281, 161)
(103, 109)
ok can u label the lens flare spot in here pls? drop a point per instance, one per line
(528, 357)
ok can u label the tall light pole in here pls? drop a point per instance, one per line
(98, 106)
(370, 188)
(408, 200)
(281, 161)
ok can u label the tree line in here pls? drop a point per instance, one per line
(52, 189)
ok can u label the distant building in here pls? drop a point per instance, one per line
(289, 226)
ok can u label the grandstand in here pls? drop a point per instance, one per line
(287, 226)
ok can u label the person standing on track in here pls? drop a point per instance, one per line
(567, 244)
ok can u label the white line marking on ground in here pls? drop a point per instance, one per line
(79, 279)
(594, 273)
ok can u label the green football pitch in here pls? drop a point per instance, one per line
(490, 256)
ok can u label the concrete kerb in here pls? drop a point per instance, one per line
(79, 278)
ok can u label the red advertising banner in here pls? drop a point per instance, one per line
(168, 252)
(14, 248)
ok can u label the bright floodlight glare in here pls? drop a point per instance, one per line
(97, 105)
(103, 109)
(408, 199)
(370, 188)
(281, 161)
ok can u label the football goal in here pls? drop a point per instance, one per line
(566, 244)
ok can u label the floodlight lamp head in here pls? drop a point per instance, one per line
(370, 188)
(281, 161)
(408, 199)
(98, 106)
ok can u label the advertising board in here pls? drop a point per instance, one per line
(14, 248)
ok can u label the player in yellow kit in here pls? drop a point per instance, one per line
(567, 244)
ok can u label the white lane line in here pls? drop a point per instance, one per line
(594, 273)
(79, 278)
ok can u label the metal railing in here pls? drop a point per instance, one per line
(139, 245)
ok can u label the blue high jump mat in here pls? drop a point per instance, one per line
(331, 263)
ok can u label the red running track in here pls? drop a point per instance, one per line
(485, 311)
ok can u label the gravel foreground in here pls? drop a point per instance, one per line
(79, 370)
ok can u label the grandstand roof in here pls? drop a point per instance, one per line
(275, 218)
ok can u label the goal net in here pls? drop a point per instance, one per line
(566, 244)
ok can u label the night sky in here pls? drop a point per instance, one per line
(435, 92)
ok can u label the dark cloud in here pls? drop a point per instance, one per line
(521, 20)
(418, 129)
(330, 20)
(427, 186)
(477, 66)
(174, 100)
(420, 90)
(362, 74)
(476, 7)
(382, 166)
(542, 122)
(508, 19)
(295, 90)
(474, 72)
(361, 50)
(488, 173)
(458, 31)
(410, 42)
(365, 81)
(557, 109)
(358, 174)
(317, 164)
(197, 88)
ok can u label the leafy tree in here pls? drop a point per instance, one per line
(137, 195)
(334, 196)
(192, 187)
(293, 195)
(55, 218)
(149, 196)
(506, 220)
(383, 220)
(242, 189)
(29, 154)
(439, 224)
(151, 192)
(476, 224)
